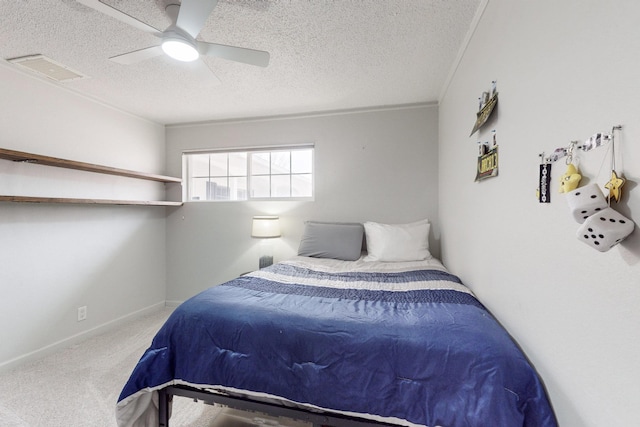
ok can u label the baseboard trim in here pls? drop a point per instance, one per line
(172, 304)
(74, 339)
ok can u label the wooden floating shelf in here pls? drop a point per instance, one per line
(31, 199)
(19, 156)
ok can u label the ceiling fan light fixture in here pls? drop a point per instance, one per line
(180, 49)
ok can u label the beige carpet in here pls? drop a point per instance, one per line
(79, 386)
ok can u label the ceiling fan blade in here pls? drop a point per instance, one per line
(120, 16)
(202, 73)
(234, 53)
(137, 55)
(194, 14)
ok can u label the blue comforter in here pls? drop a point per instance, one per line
(414, 348)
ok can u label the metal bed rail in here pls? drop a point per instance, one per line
(318, 419)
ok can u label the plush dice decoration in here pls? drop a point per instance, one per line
(586, 201)
(605, 229)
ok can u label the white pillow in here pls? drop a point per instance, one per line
(397, 242)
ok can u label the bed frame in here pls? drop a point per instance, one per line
(318, 419)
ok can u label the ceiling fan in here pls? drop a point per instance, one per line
(179, 39)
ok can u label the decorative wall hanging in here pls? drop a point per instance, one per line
(615, 183)
(544, 181)
(602, 227)
(615, 187)
(487, 159)
(570, 179)
(487, 102)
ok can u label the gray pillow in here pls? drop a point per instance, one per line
(336, 240)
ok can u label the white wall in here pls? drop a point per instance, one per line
(377, 165)
(56, 258)
(565, 70)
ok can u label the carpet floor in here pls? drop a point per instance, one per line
(79, 386)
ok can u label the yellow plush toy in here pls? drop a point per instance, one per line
(570, 180)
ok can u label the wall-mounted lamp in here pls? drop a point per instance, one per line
(265, 227)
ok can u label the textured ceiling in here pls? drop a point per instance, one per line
(325, 54)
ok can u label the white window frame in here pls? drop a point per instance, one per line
(186, 173)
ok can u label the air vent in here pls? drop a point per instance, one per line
(45, 67)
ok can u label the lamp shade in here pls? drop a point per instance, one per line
(265, 227)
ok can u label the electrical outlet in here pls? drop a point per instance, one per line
(82, 313)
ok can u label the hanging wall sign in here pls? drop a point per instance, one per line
(488, 164)
(544, 196)
(487, 103)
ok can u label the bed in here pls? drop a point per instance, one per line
(365, 339)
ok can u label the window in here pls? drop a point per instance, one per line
(250, 174)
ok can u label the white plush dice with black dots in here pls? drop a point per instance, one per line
(586, 201)
(605, 229)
